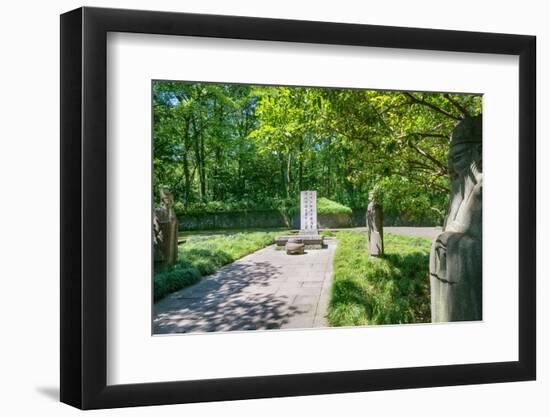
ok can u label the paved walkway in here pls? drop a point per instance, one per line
(427, 232)
(267, 289)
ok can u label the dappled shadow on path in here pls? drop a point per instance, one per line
(241, 296)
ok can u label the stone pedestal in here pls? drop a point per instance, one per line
(310, 242)
(294, 246)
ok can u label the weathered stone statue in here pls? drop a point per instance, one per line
(455, 258)
(165, 227)
(375, 227)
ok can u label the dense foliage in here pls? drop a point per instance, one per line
(324, 206)
(235, 147)
(391, 290)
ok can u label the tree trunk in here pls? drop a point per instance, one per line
(186, 174)
(197, 139)
(288, 176)
(283, 176)
(301, 168)
(203, 170)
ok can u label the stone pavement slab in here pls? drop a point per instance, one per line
(267, 289)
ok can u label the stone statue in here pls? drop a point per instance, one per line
(375, 226)
(165, 228)
(455, 258)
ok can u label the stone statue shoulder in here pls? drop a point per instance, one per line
(162, 215)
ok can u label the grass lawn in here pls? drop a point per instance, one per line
(203, 254)
(391, 290)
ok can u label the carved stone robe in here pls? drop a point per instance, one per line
(456, 255)
(165, 236)
(375, 227)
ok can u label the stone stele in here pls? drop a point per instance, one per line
(375, 227)
(308, 213)
(455, 257)
(165, 227)
(309, 234)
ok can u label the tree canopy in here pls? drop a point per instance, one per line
(230, 147)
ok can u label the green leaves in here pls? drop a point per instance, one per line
(236, 143)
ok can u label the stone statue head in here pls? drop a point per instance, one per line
(166, 198)
(371, 195)
(374, 194)
(465, 148)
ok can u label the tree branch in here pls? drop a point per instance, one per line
(422, 182)
(458, 106)
(431, 106)
(439, 187)
(421, 165)
(431, 135)
(425, 154)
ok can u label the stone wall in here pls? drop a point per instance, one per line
(275, 218)
(359, 219)
(233, 220)
(325, 221)
(256, 219)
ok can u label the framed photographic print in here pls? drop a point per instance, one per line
(256, 208)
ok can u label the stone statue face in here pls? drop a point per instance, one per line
(166, 198)
(461, 157)
(372, 196)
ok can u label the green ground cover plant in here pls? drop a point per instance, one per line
(204, 254)
(390, 290)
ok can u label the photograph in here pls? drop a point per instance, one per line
(279, 207)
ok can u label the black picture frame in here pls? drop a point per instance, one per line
(84, 207)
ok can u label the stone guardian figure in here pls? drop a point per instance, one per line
(165, 228)
(455, 258)
(375, 227)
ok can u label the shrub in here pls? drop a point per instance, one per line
(324, 206)
(167, 282)
(203, 255)
(291, 206)
(236, 206)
